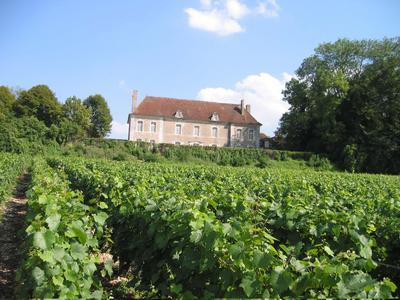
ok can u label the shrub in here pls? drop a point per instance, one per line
(150, 157)
(319, 163)
(120, 157)
(350, 157)
(263, 162)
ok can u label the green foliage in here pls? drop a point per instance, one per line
(120, 157)
(11, 166)
(100, 116)
(67, 131)
(62, 246)
(78, 118)
(27, 135)
(40, 102)
(263, 162)
(347, 93)
(75, 111)
(222, 156)
(9, 141)
(7, 99)
(228, 156)
(350, 157)
(214, 232)
(37, 120)
(319, 163)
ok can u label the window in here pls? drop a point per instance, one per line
(196, 131)
(153, 127)
(177, 143)
(214, 131)
(251, 134)
(139, 140)
(140, 126)
(178, 114)
(239, 133)
(214, 117)
(213, 145)
(178, 129)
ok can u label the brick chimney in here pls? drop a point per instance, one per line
(242, 107)
(248, 108)
(134, 100)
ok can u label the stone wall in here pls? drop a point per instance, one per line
(166, 133)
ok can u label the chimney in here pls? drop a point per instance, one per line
(248, 108)
(134, 100)
(242, 107)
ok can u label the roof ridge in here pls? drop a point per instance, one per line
(195, 100)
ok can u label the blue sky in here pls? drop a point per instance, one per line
(220, 50)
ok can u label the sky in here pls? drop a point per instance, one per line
(215, 50)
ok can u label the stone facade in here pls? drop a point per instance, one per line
(167, 127)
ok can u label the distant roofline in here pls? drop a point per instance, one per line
(181, 99)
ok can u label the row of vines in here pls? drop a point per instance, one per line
(62, 256)
(234, 232)
(11, 166)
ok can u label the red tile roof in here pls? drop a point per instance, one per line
(193, 110)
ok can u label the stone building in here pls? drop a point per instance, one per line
(192, 122)
(264, 141)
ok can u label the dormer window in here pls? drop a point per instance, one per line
(214, 117)
(178, 114)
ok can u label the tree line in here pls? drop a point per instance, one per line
(35, 115)
(345, 103)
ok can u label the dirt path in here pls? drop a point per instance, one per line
(12, 222)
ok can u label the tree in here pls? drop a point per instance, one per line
(67, 131)
(345, 101)
(7, 99)
(100, 116)
(78, 117)
(40, 102)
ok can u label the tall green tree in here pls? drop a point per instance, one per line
(344, 101)
(76, 118)
(7, 99)
(41, 102)
(100, 116)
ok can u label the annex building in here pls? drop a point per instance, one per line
(192, 122)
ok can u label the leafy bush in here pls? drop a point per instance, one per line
(320, 163)
(150, 157)
(263, 162)
(120, 157)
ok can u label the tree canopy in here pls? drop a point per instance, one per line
(100, 116)
(345, 102)
(41, 102)
(76, 118)
(7, 99)
(33, 119)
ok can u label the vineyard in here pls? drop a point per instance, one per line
(98, 228)
(11, 166)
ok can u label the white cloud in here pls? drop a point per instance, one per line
(269, 8)
(262, 91)
(213, 21)
(223, 16)
(118, 130)
(235, 9)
